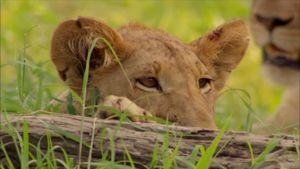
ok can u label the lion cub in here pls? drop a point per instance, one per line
(158, 73)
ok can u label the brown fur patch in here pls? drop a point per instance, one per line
(156, 67)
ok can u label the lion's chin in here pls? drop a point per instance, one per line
(280, 69)
(283, 76)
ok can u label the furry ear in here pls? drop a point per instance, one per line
(71, 42)
(222, 49)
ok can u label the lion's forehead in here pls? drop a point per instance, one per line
(162, 48)
(163, 60)
(147, 36)
(153, 48)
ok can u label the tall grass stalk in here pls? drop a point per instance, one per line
(92, 143)
(84, 91)
(10, 164)
(25, 146)
(251, 153)
(207, 155)
(131, 162)
(262, 157)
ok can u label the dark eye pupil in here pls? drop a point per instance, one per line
(149, 82)
(203, 82)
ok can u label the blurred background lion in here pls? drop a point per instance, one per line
(276, 29)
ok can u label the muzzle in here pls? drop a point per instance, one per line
(281, 61)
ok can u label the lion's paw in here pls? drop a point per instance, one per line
(123, 104)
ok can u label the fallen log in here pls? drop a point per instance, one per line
(115, 140)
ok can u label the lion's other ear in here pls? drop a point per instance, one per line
(71, 42)
(222, 49)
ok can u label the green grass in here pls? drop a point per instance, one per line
(25, 146)
(208, 154)
(262, 157)
(29, 80)
(84, 95)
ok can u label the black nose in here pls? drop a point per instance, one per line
(272, 22)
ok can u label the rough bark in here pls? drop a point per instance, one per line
(140, 140)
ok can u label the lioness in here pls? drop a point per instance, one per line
(276, 28)
(158, 72)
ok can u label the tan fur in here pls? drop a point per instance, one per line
(150, 53)
(284, 41)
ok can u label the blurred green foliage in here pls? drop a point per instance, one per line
(26, 28)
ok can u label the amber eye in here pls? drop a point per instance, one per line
(148, 84)
(205, 85)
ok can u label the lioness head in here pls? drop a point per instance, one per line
(174, 80)
(276, 28)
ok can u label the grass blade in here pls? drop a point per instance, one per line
(262, 157)
(118, 60)
(207, 157)
(9, 162)
(91, 145)
(84, 90)
(251, 153)
(154, 160)
(128, 156)
(25, 146)
(70, 107)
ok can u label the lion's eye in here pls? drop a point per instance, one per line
(148, 84)
(205, 85)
